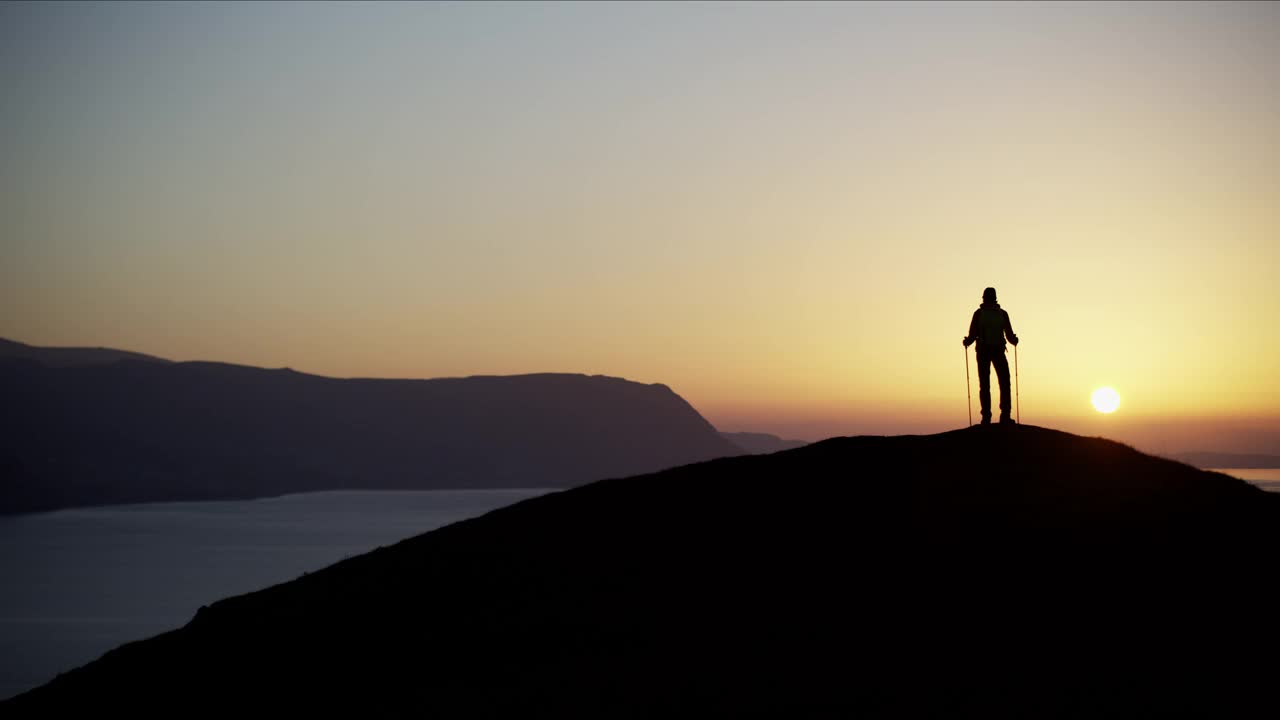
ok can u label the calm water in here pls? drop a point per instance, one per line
(78, 583)
(1265, 478)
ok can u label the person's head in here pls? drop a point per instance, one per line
(989, 295)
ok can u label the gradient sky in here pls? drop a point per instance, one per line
(787, 213)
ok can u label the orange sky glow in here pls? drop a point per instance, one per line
(787, 213)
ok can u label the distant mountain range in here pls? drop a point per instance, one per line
(98, 426)
(69, 356)
(986, 572)
(761, 443)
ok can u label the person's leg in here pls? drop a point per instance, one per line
(984, 385)
(1001, 361)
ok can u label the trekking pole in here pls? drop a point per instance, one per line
(1016, 393)
(967, 393)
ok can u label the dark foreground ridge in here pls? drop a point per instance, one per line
(983, 572)
(126, 431)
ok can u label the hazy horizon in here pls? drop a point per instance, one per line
(1150, 434)
(787, 213)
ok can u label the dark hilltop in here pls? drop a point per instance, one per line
(997, 572)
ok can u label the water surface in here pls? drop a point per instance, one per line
(80, 582)
(1265, 478)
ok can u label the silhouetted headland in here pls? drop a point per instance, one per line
(761, 443)
(986, 572)
(69, 356)
(116, 429)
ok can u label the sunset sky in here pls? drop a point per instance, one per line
(787, 213)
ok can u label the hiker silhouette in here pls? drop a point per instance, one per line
(989, 328)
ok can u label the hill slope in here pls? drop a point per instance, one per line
(983, 572)
(140, 431)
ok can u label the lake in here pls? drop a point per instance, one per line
(1265, 478)
(80, 582)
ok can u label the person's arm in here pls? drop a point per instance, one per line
(973, 330)
(1008, 329)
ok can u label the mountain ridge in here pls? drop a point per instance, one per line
(70, 356)
(131, 431)
(877, 576)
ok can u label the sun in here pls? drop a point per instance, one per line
(1106, 400)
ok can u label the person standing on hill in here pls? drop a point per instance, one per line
(989, 328)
